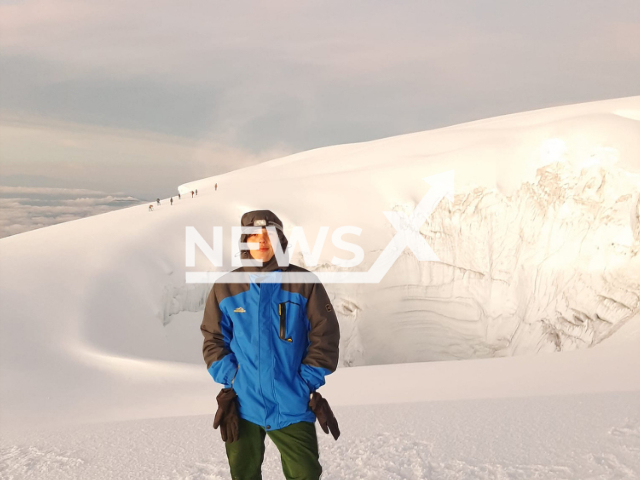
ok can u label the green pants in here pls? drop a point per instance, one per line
(297, 443)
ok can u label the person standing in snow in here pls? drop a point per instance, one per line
(196, 191)
(158, 200)
(270, 344)
(171, 200)
(191, 193)
(216, 187)
(179, 197)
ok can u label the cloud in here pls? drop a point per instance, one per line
(8, 190)
(306, 74)
(142, 164)
(49, 206)
(118, 167)
(99, 201)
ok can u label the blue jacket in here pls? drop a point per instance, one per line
(272, 342)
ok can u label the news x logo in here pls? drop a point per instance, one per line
(407, 235)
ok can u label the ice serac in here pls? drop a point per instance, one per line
(552, 267)
(538, 250)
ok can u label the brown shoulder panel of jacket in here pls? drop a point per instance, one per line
(325, 330)
(224, 289)
(213, 347)
(303, 289)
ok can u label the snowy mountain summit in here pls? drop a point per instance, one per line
(537, 246)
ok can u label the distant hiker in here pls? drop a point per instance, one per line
(278, 342)
(196, 191)
(179, 197)
(216, 187)
(151, 207)
(191, 193)
(158, 200)
(171, 200)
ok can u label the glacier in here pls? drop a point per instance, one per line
(533, 306)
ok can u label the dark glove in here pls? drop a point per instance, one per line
(323, 413)
(227, 415)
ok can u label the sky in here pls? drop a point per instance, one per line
(105, 104)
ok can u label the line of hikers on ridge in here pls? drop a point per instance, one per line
(193, 192)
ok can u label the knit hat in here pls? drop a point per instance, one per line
(262, 218)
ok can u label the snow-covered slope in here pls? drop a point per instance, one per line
(538, 253)
(539, 249)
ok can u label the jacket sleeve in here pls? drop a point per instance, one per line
(324, 339)
(217, 331)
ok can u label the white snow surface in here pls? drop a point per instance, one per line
(536, 297)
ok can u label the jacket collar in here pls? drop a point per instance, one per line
(270, 266)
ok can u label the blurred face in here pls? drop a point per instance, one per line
(262, 239)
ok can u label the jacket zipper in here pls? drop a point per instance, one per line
(282, 311)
